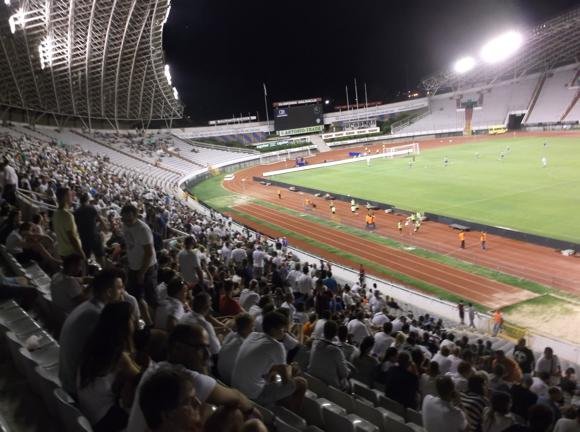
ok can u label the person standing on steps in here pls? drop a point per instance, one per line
(471, 314)
(461, 309)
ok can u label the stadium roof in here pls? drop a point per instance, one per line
(549, 45)
(90, 59)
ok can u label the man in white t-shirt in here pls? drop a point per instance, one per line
(293, 276)
(380, 318)
(9, 182)
(327, 360)
(188, 262)
(65, 286)
(377, 303)
(249, 297)
(231, 346)
(259, 257)
(107, 287)
(440, 413)
(357, 328)
(238, 255)
(188, 351)
(226, 253)
(260, 370)
(442, 358)
(142, 276)
(304, 285)
(550, 363)
(201, 315)
(383, 340)
(172, 308)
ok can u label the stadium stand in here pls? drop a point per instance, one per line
(176, 288)
(357, 407)
(555, 97)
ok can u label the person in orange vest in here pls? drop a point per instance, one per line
(462, 239)
(483, 239)
(279, 194)
(497, 319)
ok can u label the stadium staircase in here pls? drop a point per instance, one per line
(571, 106)
(535, 96)
(319, 143)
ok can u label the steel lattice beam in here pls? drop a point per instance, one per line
(89, 59)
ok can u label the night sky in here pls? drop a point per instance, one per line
(221, 51)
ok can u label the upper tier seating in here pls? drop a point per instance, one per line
(554, 98)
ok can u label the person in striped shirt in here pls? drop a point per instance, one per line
(474, 401)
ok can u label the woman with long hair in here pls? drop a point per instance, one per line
(106, 376)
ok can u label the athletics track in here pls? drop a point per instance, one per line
(520, 259)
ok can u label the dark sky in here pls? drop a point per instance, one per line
(220, 51)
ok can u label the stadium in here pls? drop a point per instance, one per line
(350, 267)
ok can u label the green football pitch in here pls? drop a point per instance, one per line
(476, 185)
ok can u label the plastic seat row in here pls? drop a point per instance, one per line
(36, 355)
(366, 409)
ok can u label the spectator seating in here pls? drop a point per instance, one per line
(554, 97)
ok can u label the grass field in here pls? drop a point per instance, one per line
(516, 192)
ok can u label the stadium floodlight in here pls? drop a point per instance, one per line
(175, 94)
(501, 47)
(464, 65)
(168, 74)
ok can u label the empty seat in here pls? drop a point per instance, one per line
(340, 398)
(335, 419)
(316, 385)
(361, 389)
(46, 382)
(267, 415)
(392, 405)
(84, 425)
(67, 411)
(412, 427)
(413, 416)
(288, 417)
(379, 416)
(282, 426)
(311, 411)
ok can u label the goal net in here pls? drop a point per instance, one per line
(402, 150)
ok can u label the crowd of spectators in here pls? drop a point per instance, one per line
(174, 320)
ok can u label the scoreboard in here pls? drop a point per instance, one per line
(294, 119)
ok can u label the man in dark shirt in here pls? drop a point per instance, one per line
(400, 384)
(522, 397)
(87, 218)
(524, 357)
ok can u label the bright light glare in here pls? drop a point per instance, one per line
(16, 19)
(167, 14)
(326, 102)
(7, 2)
(464, 65)
(175, 93)
(168, 74)
(501, 47)
(45, 51)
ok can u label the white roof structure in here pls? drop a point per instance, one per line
(87, 59)
(552, 44)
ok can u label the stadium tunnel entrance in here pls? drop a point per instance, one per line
(515, 122)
